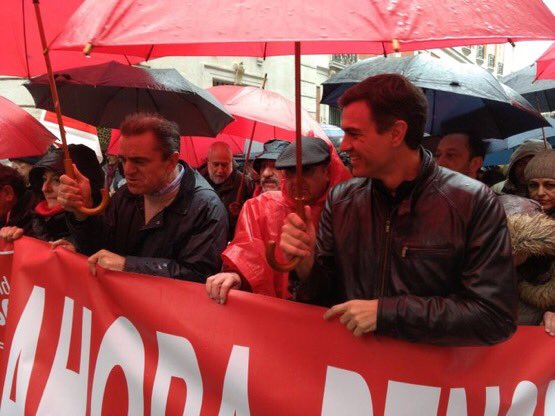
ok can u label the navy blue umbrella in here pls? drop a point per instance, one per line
(541, 93)
(460, 96)
(500, 151)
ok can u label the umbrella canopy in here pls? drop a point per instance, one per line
(22, 50)
(460, 96)
(20, 133)
(257, 28)
(103, 95)
(500, 151)
(546, 64)
(541, 93)
(271, 114)
(192, 149)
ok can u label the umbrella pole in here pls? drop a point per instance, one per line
(299, 201)
(235, 207)
(68, 163)
(543, 129)
(53, 88)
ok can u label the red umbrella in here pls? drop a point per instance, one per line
(193, 149)
(265, 28)
(262, 28)
(271, 114)
(546, 64)
(21, 49)
(20, 133)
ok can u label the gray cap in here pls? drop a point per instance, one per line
(315, 151)
(272, 149)
(541, 166)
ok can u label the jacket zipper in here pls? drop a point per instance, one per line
(386, 254)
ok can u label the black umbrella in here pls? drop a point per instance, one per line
(103, 95)
(460, 96)
(541, 93)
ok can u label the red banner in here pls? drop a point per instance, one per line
(123, 343)
(6, 254)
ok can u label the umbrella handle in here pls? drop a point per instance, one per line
(68, 167)
(274, 264)
(271, 245)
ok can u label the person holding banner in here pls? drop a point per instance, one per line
(244, 260)
(409, 249)
(16, 201)
(166, 220)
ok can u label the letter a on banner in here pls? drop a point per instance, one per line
(346, 393)
(235, 396)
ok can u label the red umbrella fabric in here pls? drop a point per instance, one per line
(22, 50)
(193, 149)
(21, 134)
(271, 114)
(263, 28)
(546, 64)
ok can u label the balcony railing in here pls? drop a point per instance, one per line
(345, 58)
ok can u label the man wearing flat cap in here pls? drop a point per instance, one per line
(265, 166)
(244, 261)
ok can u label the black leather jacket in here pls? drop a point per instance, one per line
(183, 241)
(439, 260)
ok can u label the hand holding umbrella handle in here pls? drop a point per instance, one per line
(274, 264)
(68, 167)
(271, 246)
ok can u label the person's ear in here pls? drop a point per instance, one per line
(398, 132)
(174, 158)
(476, 163)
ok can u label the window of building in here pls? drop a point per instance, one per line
(499, 68)
(491, 60)
(335, 116)
(480, 51)
(216, 82)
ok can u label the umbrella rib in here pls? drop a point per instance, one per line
(25, 39)
(149, 92)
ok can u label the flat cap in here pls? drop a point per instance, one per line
(314, 151)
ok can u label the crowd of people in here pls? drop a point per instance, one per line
(402, 242)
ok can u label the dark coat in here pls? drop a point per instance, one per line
(439, 260)
(183, 241)
(227, 191)
(50, 228)
(21, 215)
(533, 235)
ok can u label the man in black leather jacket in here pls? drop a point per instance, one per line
(165, 221)
(409, 249)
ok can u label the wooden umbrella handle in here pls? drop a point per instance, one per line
(68, 167)
(299, 202)
(274, 264)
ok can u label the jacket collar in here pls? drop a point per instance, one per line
(428, 170)
(179, 205)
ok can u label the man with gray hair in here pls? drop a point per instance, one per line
(222, 175)
(166, 220)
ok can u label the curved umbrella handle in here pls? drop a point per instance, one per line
(274, 264)
(68, 167)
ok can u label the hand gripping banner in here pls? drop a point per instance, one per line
(123, 343)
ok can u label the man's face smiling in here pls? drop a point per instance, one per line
(370, 152)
